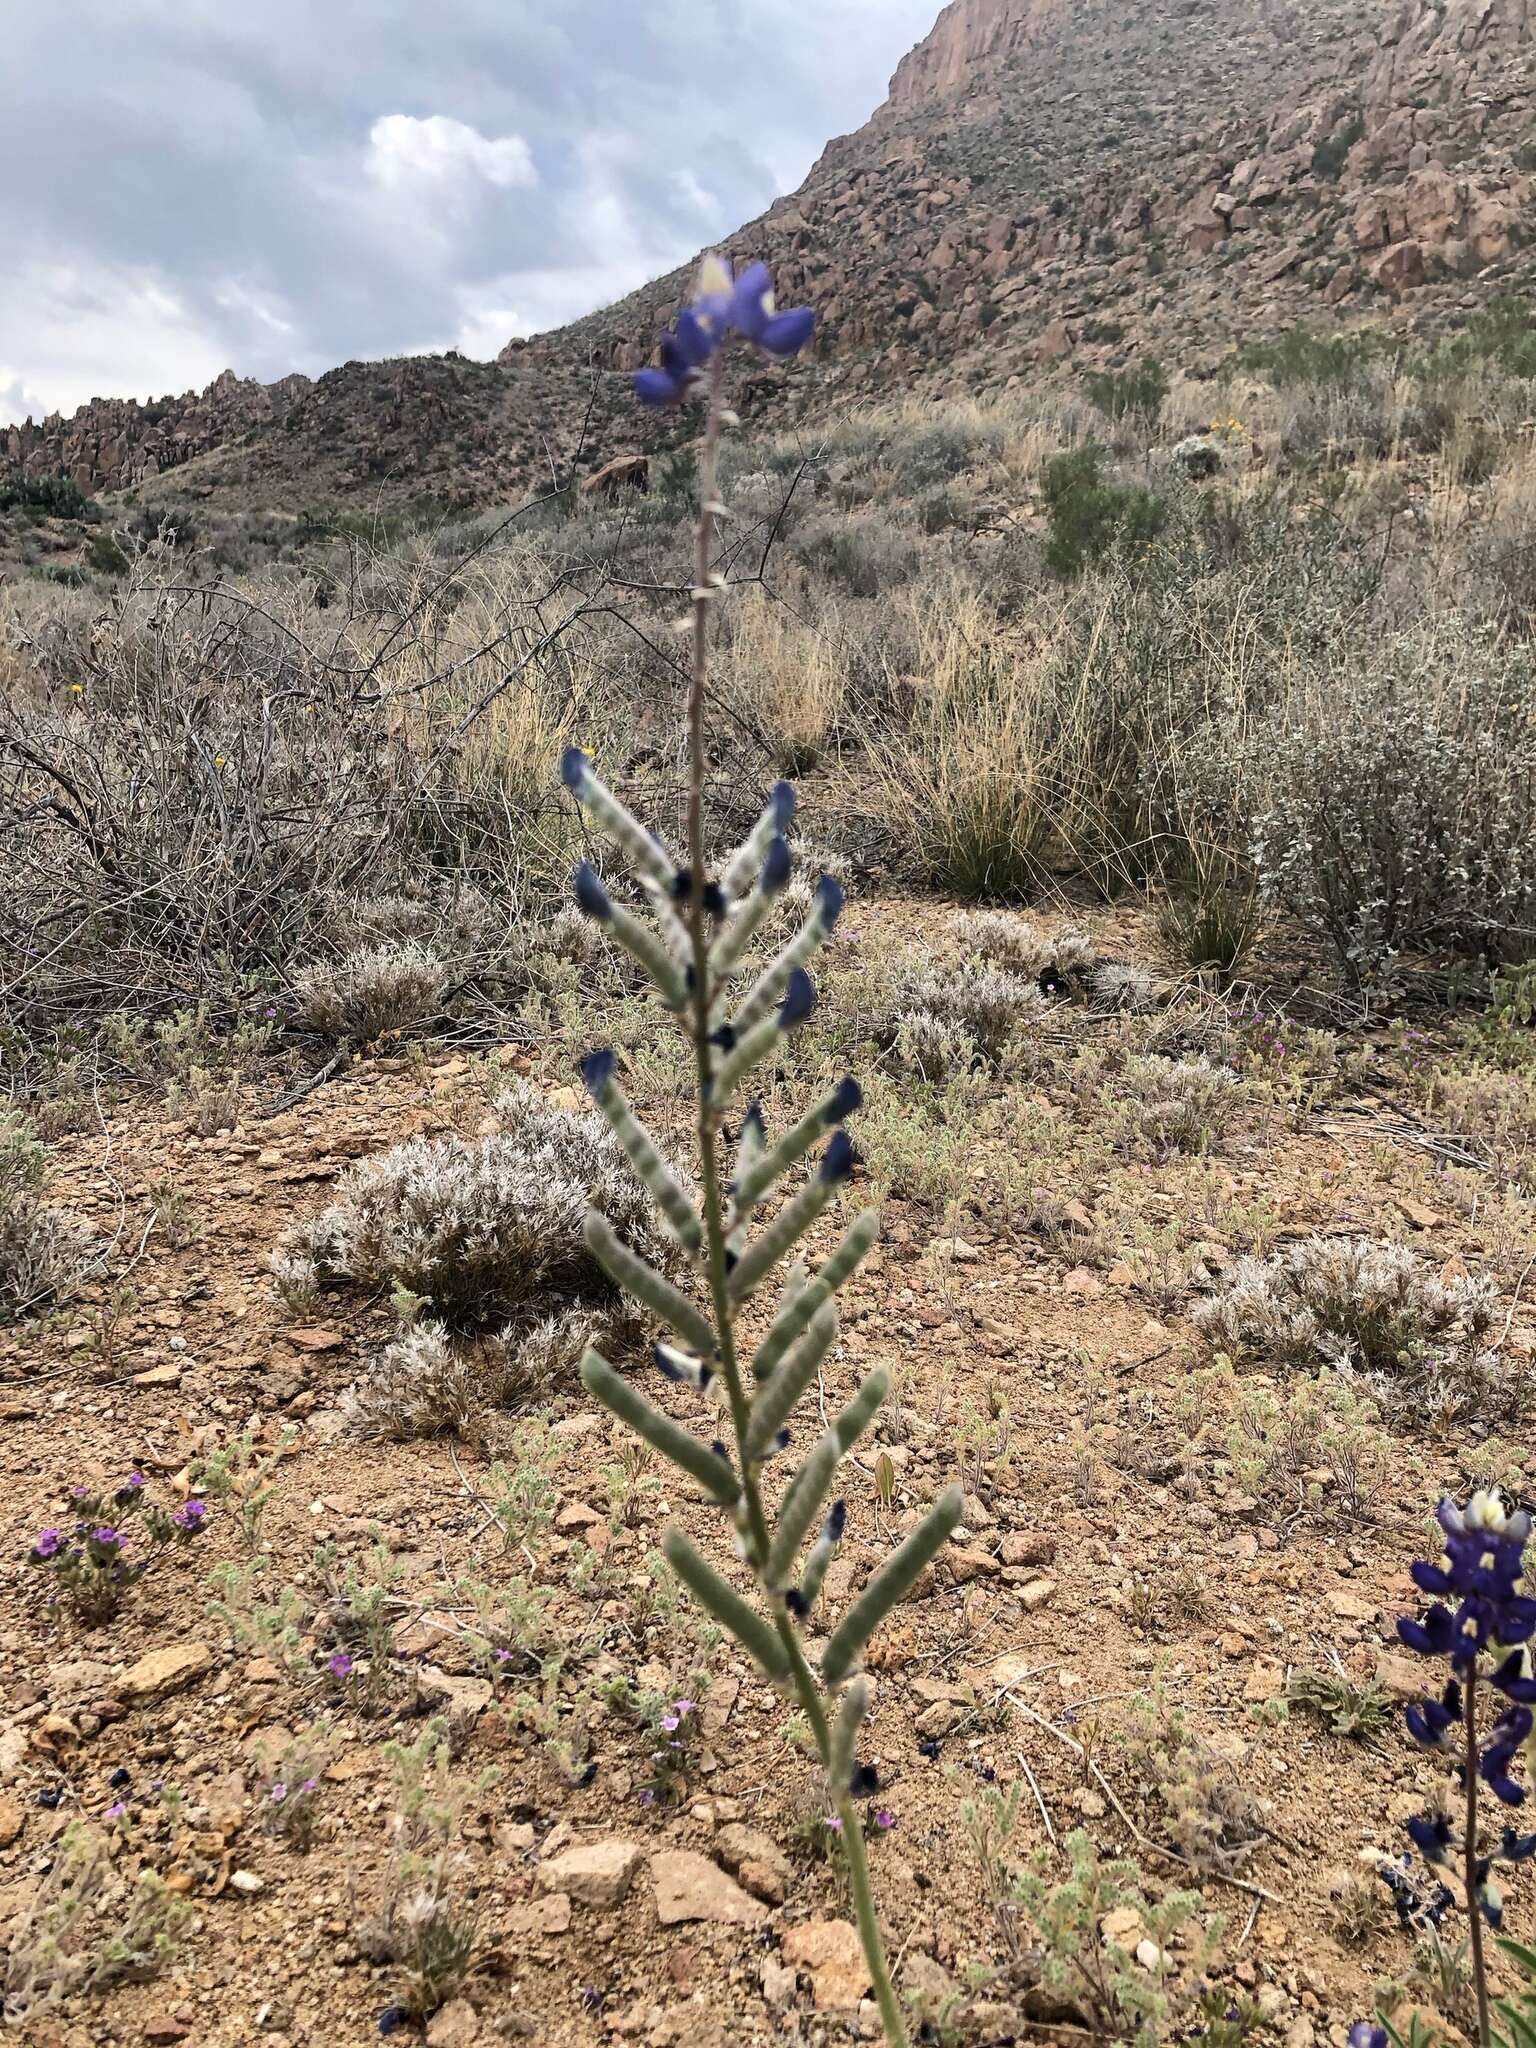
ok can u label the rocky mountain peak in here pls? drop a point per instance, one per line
(967, 45)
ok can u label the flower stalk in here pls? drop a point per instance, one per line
(704, 929)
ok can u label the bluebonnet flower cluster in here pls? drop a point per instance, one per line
(89, 1560)
(722, 305)
(1481, 1624)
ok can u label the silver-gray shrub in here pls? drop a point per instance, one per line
(371, 990)
(44, 1250)
(1399, 814)
(1370, 1309)
(487, 1227)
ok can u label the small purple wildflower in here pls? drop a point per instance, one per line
(310, 1785)
(339, 1664)
(47, 1544)
(884, 1818)
(115, 1811)
(278, 1794)
(191, 1515)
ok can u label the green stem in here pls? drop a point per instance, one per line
(807, 1691)
(1469, 1853)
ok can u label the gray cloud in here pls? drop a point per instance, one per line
(284, 185)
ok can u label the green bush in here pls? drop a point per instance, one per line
(51, 497)
(1298, 356)
(1133, 394)
(1090, 518)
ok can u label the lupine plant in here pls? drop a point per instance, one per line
(691, 934)
(1481, 1624)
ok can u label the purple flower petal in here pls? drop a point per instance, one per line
(785, 334)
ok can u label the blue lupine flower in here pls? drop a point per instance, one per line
(799, 1000)
(1482, 1566)
(1431, 1721)
(783, 800)
(575, 767)
(1512, 1680)
(1363, 2035)
(754, 315)
(775, 869)
(830, 900)
(846, 1097)
(1430, 1834)
(598, 1069)
(839, 1160)
(590, 893)
(1510, 1732)
(721, 305)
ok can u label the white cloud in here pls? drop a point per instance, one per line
(438, 158)
(110, 330)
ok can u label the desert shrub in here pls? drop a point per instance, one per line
(485, 1228)
(426, 1383)
(1058, 962)
(43, 1250)
(49, 497)
(1400, 809)
(1299, 356)
(933, 1046)
(1136, 393)
(375, 989)
(987, 1004)
(418, 1386)
(866, 554)
(1161, 1107)
(1367, 1309)
(1088, 518)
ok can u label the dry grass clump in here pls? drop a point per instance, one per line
(1367, 1308)
(44, 1251)
(484, 1228)
(371, 990)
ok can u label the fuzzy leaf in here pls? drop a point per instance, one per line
(776, 1399)
(845, 1738)
(631, 1273)
(779, 1237)
(892, 1583)
(698, 1460)
(756, 1636)
(808, 1488)
(796, 1311)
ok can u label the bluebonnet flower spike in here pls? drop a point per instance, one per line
(721, 305)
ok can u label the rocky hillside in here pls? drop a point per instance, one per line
(1050, 182)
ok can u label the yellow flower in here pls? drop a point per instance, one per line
(77, 689)
(218, 760)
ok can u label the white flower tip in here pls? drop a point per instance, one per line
(714, 277)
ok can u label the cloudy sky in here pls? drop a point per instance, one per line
(277, 185)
